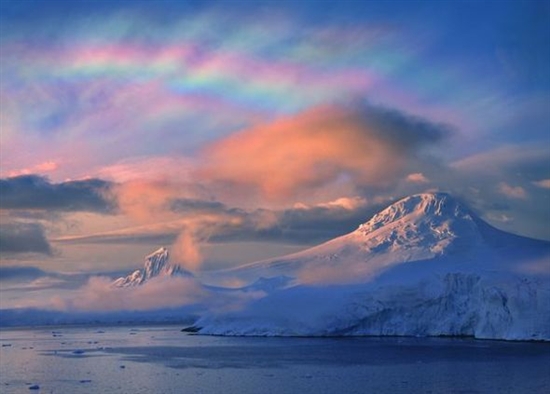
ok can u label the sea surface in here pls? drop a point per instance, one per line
(154, 359)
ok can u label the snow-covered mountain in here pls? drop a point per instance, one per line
(426, 265)
(156, 265)
(417, 228)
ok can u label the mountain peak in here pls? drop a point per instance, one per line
(433, 223)
(156, 264)
(435, 206)
(160, 251)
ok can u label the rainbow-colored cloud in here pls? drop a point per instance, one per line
(126, 79)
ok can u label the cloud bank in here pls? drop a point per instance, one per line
(23, 238)
(215, 222)
(99, 294)
(36, 192)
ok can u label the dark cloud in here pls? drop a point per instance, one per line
(301, 225)
(320, 224)
(331, 220)
(33, 215)
(402, 130)
(308, 225)
(23, 238)
(37, 192)
(155, 238)
(194, 205)
(21, 273)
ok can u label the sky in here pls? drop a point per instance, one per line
(236, 131)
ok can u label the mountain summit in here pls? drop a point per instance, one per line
(156, 264)
(428, 224)
(433, 207)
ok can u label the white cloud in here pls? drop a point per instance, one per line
(100, 295)
(348, 203)
(499, 217)
(417, 177)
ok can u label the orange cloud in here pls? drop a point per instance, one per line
(144, 200)
(417, 177)
(320, 147)
(186, 250)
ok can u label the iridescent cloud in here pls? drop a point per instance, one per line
(126, 80)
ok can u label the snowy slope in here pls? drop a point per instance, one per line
(156, 265)
(426, 265)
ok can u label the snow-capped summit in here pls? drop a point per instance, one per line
(425, 225)
(433, 207)
(156, 264)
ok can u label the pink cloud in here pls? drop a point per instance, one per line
(41, 168)
(147, 168)
(186, 249)
(544, 183)
(516, 192)
(294, 155)
(144, 200)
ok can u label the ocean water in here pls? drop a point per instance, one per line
(165, 360)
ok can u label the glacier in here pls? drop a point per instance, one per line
(425, 266)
